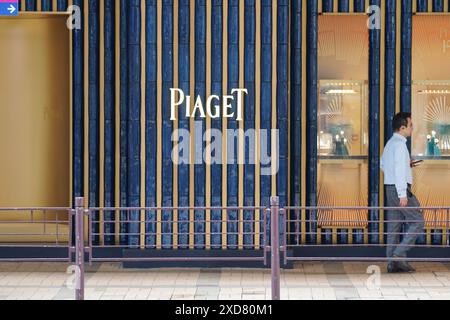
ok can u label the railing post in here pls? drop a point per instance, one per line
(275, 246)
(79, 248)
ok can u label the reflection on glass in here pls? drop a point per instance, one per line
(431, 118)
(343, 119)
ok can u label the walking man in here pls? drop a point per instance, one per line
(396, 165)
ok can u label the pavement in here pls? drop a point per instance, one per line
(307, 281)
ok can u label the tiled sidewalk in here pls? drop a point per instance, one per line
(307, 281)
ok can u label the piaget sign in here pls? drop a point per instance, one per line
(215, 106)
(208, 143)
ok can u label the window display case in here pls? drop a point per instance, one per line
(430, 107)
(431, 143)
(342, 152)
(431, 118)
(343, 119)
(342, 127)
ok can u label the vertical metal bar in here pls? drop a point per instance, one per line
(90, 230)
(297, 227)
(275, 247)
(284, 236)
(45, 221)
(79, 248)
(69, 239)
(447, 217)
(57, 228)
(265, 235)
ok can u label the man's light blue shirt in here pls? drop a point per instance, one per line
(396, 164)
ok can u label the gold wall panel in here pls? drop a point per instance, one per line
(34, 112)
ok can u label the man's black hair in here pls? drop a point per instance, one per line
(400, 120)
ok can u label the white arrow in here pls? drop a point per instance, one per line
(11, 9)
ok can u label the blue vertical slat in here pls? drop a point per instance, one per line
(110, 115)
(374, 132)
(151, 70)
(200, 90)
(183, 122)
(266, 103)
(94, 110)
(62, 5)
(406, 56)
(282, 103)
(46, 5)
(124, 5)
(390, 67)
(78, 107)
(327, 5)
(343, 5)
(311, 107)
(249, 118)
(438, 5)
(233, 82)
(422, 5)
(134, 118)
(216, 124)
(30, 5)
(296, 111)
(167, 83)
(359, 5)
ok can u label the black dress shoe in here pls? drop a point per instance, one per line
(393, 269)
(403, 266)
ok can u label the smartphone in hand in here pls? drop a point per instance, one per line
(415, 163)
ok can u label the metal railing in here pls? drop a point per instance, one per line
(273, 230)
(36, 228)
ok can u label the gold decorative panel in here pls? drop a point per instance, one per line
(34, 117)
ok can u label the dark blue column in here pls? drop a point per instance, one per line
(216, 124)
(110, 116)
(151, 86)
(233, 82)
(30, 5)
(374, 131)
(249, 118)
(438, 5)
(183, 122)
(311, 114)
(422, 5)
(406, 56)
(282, 102)
(134, 119)
(62, 5)
(359, 5)
(167, 165)
(296, 111)
(46, 5)
(266, 99)
(343, 5)
(390, 67)
(78, 108)
(327, 6)
(200, 90)
(94, 110)
(124, 6)
(390, 72)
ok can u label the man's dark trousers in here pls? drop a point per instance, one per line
(415, 223)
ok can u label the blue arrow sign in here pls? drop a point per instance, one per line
(10, 8)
